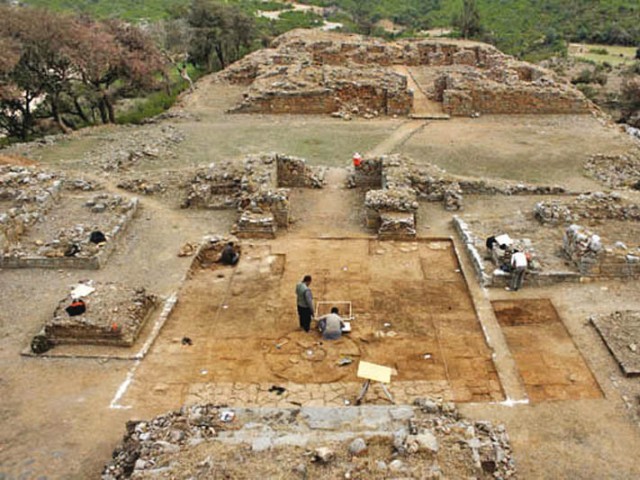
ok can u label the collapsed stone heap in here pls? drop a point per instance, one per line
(586, 250)
(123, 150)
(615, 171)
(26, 194)
(258, 186)
(115, 314)
(205, 441)
(589, 206)
(321, 72)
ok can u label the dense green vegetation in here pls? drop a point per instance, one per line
(526, 28)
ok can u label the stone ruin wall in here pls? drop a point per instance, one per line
(27, 195)
(513, 100)
(328, 100)
(494, 83)
(258, 187)
(593, 259)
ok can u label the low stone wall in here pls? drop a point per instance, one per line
(368, 174)
(592, 206)
(93, 259)
(255, 225)
(593, 259)
(494, 277)
(392, 212)
(500, 99)
(293, 172)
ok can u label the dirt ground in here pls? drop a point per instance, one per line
(61, 418)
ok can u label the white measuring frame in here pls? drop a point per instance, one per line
(337, 303)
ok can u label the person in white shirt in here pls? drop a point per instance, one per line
(518, 267)
(331, 325)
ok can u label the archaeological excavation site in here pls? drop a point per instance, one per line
(474, 220)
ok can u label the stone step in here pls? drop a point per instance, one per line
(429, 116)
(265, 428)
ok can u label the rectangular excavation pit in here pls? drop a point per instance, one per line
(244, 326)
(548, 361)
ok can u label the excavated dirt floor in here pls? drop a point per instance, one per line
(412, 312)
(550, 365)
(62, 417)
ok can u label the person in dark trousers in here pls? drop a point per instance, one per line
(229, 255)
(304, 301)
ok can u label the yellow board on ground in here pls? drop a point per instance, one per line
(371, 371)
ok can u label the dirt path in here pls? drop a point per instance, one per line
(398, 137)
(423, 107)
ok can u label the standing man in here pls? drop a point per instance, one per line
(518, 266)
(304, 300)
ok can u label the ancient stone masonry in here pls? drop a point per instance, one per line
(34, 234)
(590, 206)
(429, 440)
(253, 186)
(402, 182)
(26, 195)
(321, 72)
(586, 250)
(114, 315)
(615, 171)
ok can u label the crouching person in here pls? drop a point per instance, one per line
(331, 325)
(229, 255)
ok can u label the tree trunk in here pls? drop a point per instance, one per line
(55, 111)
(103, 111)
(110, 109)
(220, 55)
(79, 111)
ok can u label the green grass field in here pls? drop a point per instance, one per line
(615, 54)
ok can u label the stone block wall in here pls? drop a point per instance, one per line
(293, 172)
(592, 258)
(368, 174)
(501, 99)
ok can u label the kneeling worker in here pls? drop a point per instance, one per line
(331, 325)
(229, 255)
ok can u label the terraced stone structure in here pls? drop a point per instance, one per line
(320, 72)
(115, 314)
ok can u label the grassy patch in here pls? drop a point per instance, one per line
(599, 54)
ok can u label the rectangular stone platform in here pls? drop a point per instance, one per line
(620, 331)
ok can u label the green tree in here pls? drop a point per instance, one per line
(221, 34)
(468, 19)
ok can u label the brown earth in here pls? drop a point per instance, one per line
(61, 418)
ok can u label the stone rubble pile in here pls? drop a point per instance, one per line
(590, 206)
(125, 148)
(348, 75)
(615, 171)
(204, 441)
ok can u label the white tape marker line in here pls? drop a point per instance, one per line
(122, 389)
